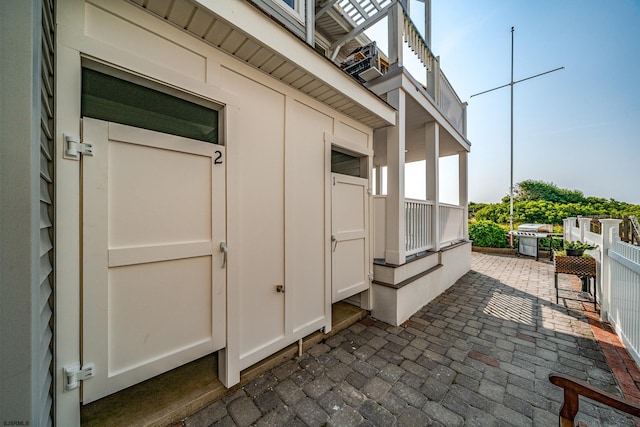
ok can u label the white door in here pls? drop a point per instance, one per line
(153, 280)
(349, 235)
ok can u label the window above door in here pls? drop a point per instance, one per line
(112, 99)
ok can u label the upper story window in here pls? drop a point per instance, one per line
(294, 7)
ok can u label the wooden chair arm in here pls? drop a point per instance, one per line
(573, 388)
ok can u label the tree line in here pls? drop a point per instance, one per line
(545, 203)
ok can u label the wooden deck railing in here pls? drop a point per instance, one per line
(574, 388)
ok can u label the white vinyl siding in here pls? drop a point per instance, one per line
(26, 228)
(45, 324)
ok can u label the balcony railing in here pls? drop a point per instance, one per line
(438, 86)
(418, 235)
(363, 14)
(451, 105)
(417, 227)
(451, 223)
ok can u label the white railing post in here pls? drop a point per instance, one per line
(610, 233)
(567, 228)
(395, 24)
(438, 81)
(464, 118)
(584, 224)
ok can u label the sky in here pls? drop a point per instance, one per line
(578, 127)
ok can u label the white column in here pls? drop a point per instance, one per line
(463, 191)
(395, 252)
(395, 23)
(310, 23)
(610, 230)
(584, 224)
(432, 145)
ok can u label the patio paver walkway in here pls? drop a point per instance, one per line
(478, 355)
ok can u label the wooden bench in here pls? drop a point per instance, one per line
(574, 388)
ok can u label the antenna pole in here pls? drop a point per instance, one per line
(511, 182)
(511, 84)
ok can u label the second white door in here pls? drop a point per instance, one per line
(349, 236)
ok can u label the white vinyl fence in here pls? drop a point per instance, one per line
(618, 281)
(624, 309)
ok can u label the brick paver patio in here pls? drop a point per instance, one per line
(478, 355)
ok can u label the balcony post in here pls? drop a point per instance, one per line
(432, 144)
(464, 118)
(463, 192)
(395, 22)
(436, 80)
(310, 23)
(395, 252)
(427, 23)
(610, 230)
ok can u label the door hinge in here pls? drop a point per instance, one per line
(73, 148)
(74, 374)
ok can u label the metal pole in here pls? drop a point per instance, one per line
(511, 182)
(511, 84)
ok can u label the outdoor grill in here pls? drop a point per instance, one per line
(529, 236)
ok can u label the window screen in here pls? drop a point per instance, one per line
(109, 98)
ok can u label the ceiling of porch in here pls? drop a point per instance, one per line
(206, 25)
(415, 146)
(416, 118)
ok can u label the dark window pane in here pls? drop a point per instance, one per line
(112, 99)
(345, 164)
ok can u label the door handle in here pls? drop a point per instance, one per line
(224, 250)
(334, 242)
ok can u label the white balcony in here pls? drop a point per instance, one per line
(340, 27)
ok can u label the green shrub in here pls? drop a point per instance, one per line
(487, 234)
